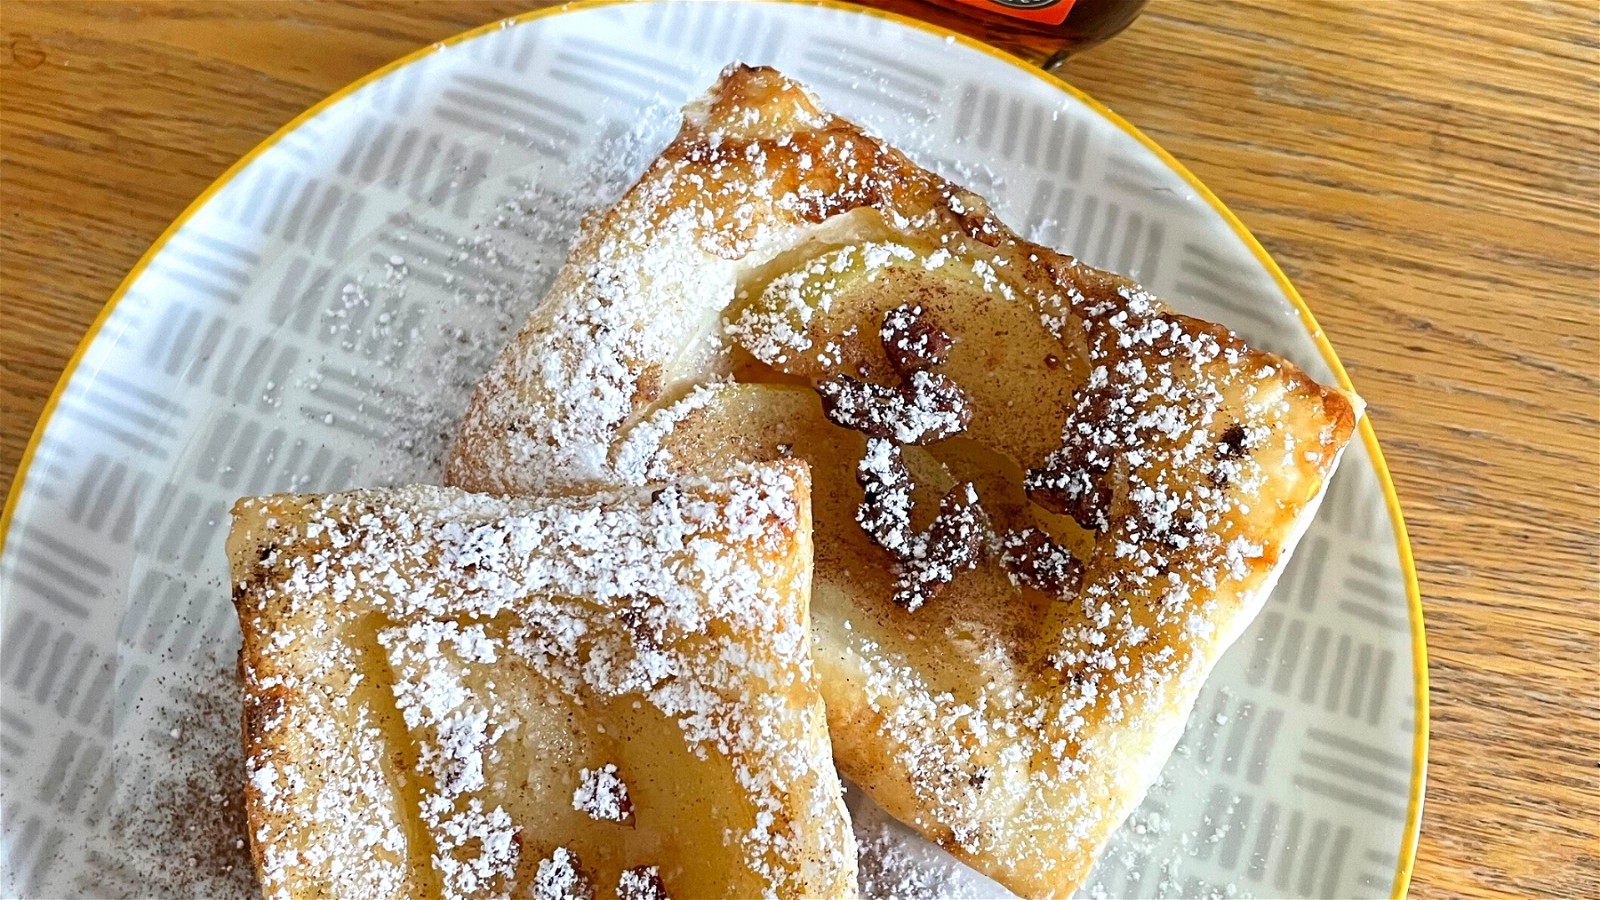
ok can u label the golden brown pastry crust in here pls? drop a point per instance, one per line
(451, 695)
(1018, 734)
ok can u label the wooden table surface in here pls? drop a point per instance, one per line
(1425, 172)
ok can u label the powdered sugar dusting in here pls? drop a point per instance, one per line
(437, 318)
(641, 883)
(775, 328)
(658, 596)
(895, 865)
(602, 796)
(641, 457)
(560, 877)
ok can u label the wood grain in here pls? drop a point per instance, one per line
(1426, 173)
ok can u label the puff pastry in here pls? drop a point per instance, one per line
(1116, 483)
(454, 695)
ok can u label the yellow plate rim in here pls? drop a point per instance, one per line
(1419, 651)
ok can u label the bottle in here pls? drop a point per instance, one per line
(1042, 31)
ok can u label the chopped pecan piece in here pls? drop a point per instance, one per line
(641, 883)
(1033, 559)
(1073, 480)
(1232, 443)
(925, 407)
(927, 561)
(911, 343)
(928, 407)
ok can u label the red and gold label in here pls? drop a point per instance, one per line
(1049, 12)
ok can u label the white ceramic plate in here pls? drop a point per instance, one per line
(318, 318)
